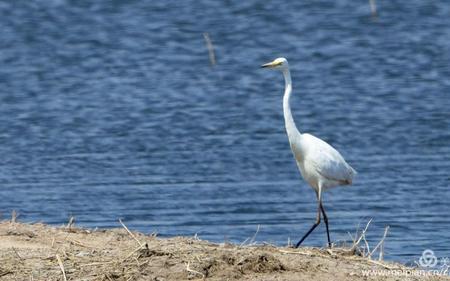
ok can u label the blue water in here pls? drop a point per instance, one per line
(111, 110)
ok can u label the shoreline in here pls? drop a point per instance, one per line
(43, 252)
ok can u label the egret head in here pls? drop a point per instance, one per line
(279, 64)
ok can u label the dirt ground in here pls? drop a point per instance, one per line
(42, 252)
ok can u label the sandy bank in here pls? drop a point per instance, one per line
(42, 252)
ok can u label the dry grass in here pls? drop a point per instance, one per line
(41, 252)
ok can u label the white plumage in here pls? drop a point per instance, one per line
(321, 165)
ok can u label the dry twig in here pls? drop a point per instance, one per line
(373, 7)
(17, 254)
(61, 266)
(78, 243)
(71, 222)
(295, 253)
(209, 45)
(381, 245)
(251, 241)
(194, 271)
(14, 216)
(131, 234)
(254, 236)
(361, 236)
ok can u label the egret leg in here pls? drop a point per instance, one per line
(325, 219)
(311, 229)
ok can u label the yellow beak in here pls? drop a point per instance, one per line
(270, 64)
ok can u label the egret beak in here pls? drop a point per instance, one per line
(270, 64)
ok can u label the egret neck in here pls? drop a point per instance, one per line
(291, 129)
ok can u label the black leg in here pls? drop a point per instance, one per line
(325, 219)
(311, 229)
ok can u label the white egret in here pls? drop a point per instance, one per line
(319, 163)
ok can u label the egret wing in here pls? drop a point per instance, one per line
(328, 162)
